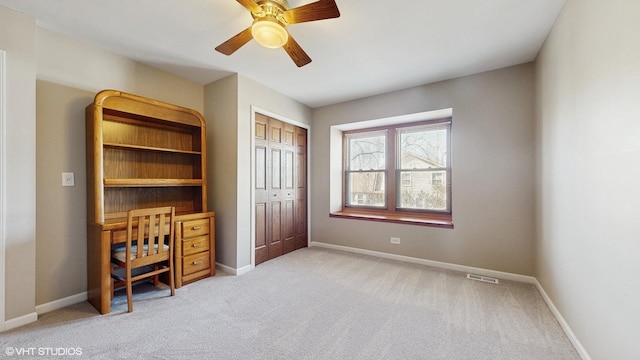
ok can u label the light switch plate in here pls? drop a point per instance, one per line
(68, 179)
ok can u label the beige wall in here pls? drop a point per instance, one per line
(587, 110)
(66, 84)
(17, 35)
(228, 106)
(61, 216)
(221, 111)
(493, 173)
(64, 61)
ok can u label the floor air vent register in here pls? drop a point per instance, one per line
(486, 279)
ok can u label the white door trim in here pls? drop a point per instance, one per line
(3, 192)
(254, 110)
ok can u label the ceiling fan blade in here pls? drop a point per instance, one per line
(230, 46)
(296, 53)
(251, 5)
(319, 10)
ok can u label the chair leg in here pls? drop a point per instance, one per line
(156, 278)
(129, 292)
(172, 277)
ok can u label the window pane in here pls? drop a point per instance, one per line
(405, 179)
(366, 151)
(427, 191)
(366, 189)
(423, 147)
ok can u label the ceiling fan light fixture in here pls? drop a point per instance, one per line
(270, 19)
(269, 33)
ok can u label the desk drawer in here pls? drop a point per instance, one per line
(195, 228)
(195, 245)
(194, 263)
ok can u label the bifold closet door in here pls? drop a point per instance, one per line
(280, 220)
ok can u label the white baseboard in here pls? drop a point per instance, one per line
(60, 303)
(43, 309)
(467, 269)
(438, 264)
(244, 270)
(20, 321)
(232, 270)
(226, 269)
(563, 323)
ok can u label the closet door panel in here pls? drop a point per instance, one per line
(280, 188)
(262, 174)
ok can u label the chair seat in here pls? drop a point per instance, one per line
(120, 253)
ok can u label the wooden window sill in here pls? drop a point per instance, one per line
(441, 221)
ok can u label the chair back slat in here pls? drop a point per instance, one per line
(151, 239)
(161, 234)
(141, 237)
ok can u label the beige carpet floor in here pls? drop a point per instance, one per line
(311, 304)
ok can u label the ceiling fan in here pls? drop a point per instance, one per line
(269, 25)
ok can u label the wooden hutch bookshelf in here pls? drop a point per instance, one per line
(145, 153)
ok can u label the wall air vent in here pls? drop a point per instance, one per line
(486, 279)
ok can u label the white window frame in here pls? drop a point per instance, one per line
(336, 170)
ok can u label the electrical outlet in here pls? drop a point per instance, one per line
(68, 179)
(395, 240)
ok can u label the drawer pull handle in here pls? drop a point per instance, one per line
(196, 245)
(198, 262)
(196, 228)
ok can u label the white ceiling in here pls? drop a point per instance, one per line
(375, 46)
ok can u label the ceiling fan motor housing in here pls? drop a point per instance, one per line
(272, 10)
(283, 3)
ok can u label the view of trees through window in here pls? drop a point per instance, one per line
(419, 162)
(423, 154)
(367, 165)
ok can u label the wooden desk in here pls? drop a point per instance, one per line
(190, 229)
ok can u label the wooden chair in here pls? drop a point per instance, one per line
(150, 238)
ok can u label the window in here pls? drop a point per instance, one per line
(400, 171)
(436, 178)
(406, 179)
